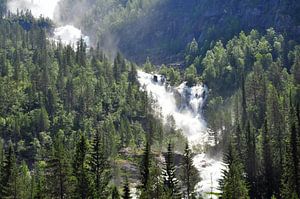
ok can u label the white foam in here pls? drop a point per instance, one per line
(187, 117)
(67, 34)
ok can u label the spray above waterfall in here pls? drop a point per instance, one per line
(67, 34)
(185, 104)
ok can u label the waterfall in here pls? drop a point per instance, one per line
(185, 105)
(67, 34)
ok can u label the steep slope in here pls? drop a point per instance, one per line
(161, 30)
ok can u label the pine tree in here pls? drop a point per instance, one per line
(99, 167)
(38, 184)
(119, 67)
(145, 167)
(267, 163)
(190, 173)
(115, 193)
(24, 181)
(82, 186)
(170, 180)
(251, 160)
(290, 175)
(126, 190)
(17, 64)
(233, 184)
(58, 169)
(8, 183)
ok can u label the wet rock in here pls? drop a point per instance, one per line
(155, 78)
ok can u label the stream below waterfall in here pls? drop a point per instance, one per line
(185, 104)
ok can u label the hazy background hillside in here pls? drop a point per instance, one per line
(161, 29)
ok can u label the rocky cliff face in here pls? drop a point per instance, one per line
(163, 31)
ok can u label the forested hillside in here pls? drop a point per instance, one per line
(73, 124)
(161, 29)
(255, 106)
(77, 123)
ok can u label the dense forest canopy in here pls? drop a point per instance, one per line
(161, 29)
(76, 123)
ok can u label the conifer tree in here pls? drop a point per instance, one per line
(80, 171)
(169, 177)
(251, 160)
(290, 175)
(267, 163)
(58, 169)
(190, 173)
(115, 193)
(126, 190)
(145, 166)
(24, 182)
(233, 184)
(99, 167)
(8, 183)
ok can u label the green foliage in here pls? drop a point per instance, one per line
(190, 174)
(171, 184)
(190, 75)
(68, 112)
(126, 190)
(254, 92)
(233, 184)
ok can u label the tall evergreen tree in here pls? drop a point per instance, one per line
(169, 177)
(251, 160)
(267, 163)
(190, 173)
(99, 166)
(290, 176)
(145, 166)
(80, 170)
(58, 169)
(115, 193)
(232, 184)
(8, 183)
(24, 182)
(126, 190)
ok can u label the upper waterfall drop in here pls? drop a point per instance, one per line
(67, 34)
(185, 105)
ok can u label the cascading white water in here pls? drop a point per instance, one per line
(188, 118)
(67, 34)
(187, 114)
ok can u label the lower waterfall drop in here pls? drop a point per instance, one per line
(187, 114)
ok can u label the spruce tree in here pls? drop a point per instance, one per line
(233, 184)
(8, 183)
(24, 182)
(251, 160)
(290, 176)
(115, 193)
(126, 190)
(80, 171)
(169, 177)
(190, 173)
(58, 169)
(145, 167)
(267, 163)
(99, 167)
